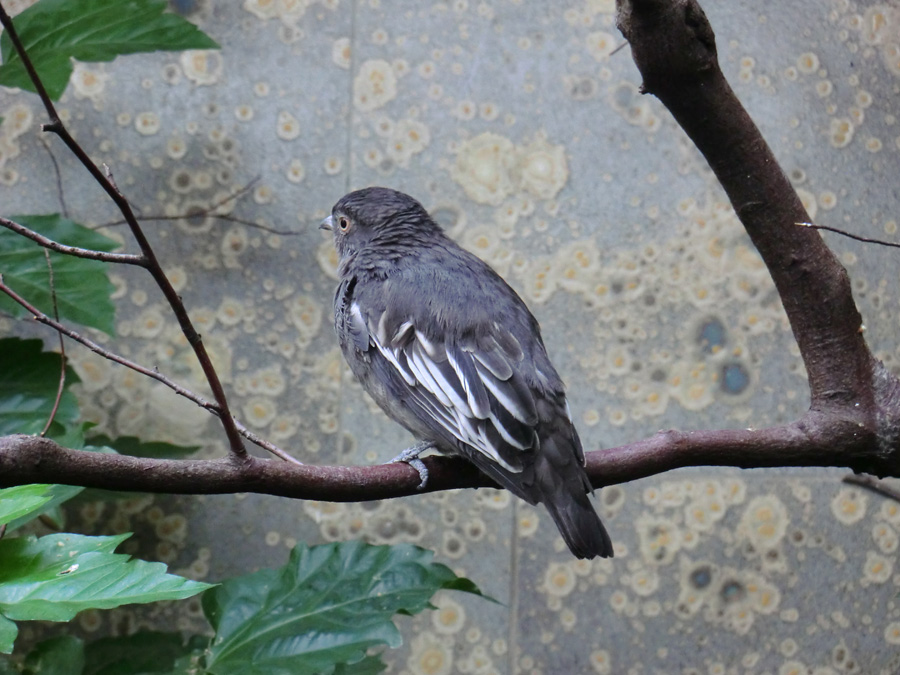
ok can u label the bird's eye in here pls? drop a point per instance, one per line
(343, 223)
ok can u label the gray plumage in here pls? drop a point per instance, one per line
(448, 350)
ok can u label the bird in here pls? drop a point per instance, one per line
(452, 353)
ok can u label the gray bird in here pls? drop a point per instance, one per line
(451, 352)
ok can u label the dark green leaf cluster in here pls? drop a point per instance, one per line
(54, 32)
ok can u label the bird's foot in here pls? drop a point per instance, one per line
(411, 456)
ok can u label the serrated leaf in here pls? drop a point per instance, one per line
(19, 505)
(29, 379)
(83, 288)
(63, 655)
(56, 31)
(147, 652)
(55, 577)
(326, 606)
(135, 447)
(19, 501)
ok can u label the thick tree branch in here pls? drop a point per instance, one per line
(674, 48)
(814, 440)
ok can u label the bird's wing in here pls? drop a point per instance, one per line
(470, 388)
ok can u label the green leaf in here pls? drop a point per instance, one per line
(56, 31)
(147, 652)
(23, 503)
(131, 445)
(83, 288)
(326, 606)
(8, 632)
(29, 379)
(371, 665)
(63, 655)
(19, 501)
(55, 577)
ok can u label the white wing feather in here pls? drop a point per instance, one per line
(419, 360)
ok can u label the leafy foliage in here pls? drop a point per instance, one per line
(63, 655)
(320, 613)
(327, 606)
(54, 32)
(29, 379)
(147, 652)
(55, 577)
(82, 286)
(20, 504)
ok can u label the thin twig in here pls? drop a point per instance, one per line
(857, 237)
(870, 482)
(210, 211)
(59, 186)
(152, 264)
(89, 254)
(40, 317)
(62, 347)
(237, 194)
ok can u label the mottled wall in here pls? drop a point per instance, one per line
(522, 129)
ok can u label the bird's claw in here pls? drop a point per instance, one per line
(411, 456)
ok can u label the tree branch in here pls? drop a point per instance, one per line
(153, 374)
(151, 263)
(853, 418)
(674, 48)
(814, 440)
(75, 251)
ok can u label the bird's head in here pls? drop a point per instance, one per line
(378, 217)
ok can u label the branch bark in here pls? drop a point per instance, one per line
(674, 48)
(817, 439)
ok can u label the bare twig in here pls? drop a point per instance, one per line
(237, 194)
(258, 226)
(40, 317)
(75, 251)
(59, 186)
(210, 210)
(850, 235)
(62, 347)
(152, 264)
(868, 482)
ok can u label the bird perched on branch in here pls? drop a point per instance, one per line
(451, 352)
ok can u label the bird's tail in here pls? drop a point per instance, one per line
(563, 486)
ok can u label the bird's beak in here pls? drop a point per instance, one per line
(327, 224)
